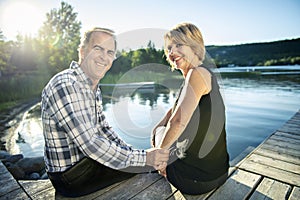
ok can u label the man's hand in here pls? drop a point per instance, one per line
(163, 172)
(157, 158)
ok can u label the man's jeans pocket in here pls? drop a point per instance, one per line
(80, 173)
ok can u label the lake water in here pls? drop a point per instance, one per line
(256, 105)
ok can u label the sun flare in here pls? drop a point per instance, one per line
(20, 17)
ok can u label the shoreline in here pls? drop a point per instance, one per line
(21, 167)
(8, 119)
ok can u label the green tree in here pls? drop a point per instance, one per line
(5, 52)
(24, 56)
(59, 38)
(122, 64)
(138, 57)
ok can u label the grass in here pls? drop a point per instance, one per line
(8, 105)
(18, 89)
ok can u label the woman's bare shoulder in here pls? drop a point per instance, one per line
(199, 73)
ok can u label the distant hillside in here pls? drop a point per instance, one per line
(285, 52)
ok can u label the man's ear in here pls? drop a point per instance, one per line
(82, 53)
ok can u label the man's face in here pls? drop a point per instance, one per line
(98, 56)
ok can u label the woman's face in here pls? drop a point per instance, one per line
(182, 56)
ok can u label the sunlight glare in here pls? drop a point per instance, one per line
(21, 18)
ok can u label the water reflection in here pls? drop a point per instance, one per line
(112, 95)
(26, 137)
(133, 115)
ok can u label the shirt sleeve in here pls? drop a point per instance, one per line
(66, 108)
(109, 131)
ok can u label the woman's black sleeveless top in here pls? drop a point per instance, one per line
(205, 156)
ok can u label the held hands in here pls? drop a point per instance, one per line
(163, 172)
(157, 158)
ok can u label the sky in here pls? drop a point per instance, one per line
(222, 22)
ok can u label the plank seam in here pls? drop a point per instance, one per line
(144, 188)
(253, 189)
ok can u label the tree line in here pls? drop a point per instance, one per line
(285, 52)
(27, 64)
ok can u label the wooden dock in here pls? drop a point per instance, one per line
(270, 171)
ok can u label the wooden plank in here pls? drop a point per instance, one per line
(8, 183)
(277, 155)
(237, 186)
(159, 190)
(131, 187)
(179, 196)
(295, 119)
(41, 189)
(293, 122)
(271, 189)
(280, 149)
(291, 126)
(287, 135)
(274, 163)
(289, 129)
(3, 169)
(283, 144)
(45, 194)
(271, 172)
(295, 194)
(35, 186)
(286, 139)
(9, 187)
(16, 194)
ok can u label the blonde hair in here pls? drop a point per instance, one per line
(87, 36)
(187, 34)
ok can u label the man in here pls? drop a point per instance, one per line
(82, 152)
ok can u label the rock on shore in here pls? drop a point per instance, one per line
(24, 168)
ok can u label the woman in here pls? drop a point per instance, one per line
(194, 129)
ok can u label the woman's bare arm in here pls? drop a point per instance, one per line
(162, 122)
(198, 83)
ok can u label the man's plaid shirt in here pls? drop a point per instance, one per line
(74, 125)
